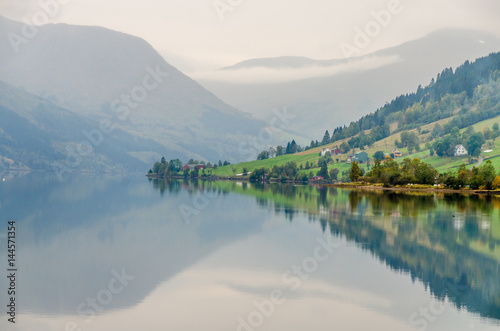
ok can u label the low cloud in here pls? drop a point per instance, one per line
(263, 75)
(16, 10)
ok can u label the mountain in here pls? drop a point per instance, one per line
(330, 93)
(460, 107)
(102, 74)
(36, 134)
(282, 62)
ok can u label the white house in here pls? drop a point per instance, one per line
(460, 150)
(324, 150)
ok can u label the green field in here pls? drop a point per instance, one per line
(442, 164)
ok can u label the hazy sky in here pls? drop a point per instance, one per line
(194, 36)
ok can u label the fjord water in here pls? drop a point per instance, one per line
(114, 253)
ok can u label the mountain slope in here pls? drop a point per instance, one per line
(461, 106)
(354, 88)
(38, 134)
(101, 73)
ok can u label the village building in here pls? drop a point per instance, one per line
(317, 178)
(193, 166)
(460, 150)
(336, 151)
(324, 151)
(360, 157)
(397, 154)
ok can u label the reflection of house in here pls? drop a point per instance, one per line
(460, 150)
(360, 157)
(324, 151)
(192, 166)
(336, 151)
(397, 154)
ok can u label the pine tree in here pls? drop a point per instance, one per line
(293, 147)
(323, 172)
(326, 138)
(355, 172)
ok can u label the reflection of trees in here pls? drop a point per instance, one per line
(426, 235)
(286, 190)
(470, 203)
(387, 203)
(354, 199)
(192, 187)
(263, 202)
(322, 196)
(466, 277)
(171, 186)
(422, 238)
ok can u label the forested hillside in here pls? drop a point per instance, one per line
(459, 107)
(440, 99)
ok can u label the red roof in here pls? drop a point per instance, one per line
(193, 166)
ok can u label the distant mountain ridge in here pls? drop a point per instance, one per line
(100, 73)
(325, 102)
(282, 62)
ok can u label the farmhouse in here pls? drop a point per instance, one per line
(336, 151)
(193, 166)
(317, 178)
(360, 157)
(397, 154)
(460, 150)
(324, 151)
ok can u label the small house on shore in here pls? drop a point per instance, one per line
(193, 167)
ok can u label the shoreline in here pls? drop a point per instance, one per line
(336, 185)
(409, 189)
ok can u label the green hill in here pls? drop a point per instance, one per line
(450, 109)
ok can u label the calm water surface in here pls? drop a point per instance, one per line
(105, 253)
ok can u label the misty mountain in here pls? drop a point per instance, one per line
(103, 74)
(329, 93)
(36, 133)
(282, 62)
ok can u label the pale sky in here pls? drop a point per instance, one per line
(191, 35)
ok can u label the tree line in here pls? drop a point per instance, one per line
(391, 173)
(165, 168)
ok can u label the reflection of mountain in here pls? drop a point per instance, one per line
(448, 242)
(432, 255)
(73, 234)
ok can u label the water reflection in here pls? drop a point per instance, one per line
(241, 237)
(73, 234)
(449, 242)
